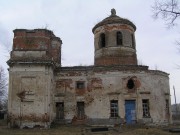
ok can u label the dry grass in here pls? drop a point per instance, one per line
(54, 131)
(150, 131)
(82, 130)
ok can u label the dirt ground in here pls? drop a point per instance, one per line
(85, 130)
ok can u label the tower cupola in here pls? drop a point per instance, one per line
(114, 41)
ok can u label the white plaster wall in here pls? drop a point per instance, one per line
(153, 86)
(39, 92)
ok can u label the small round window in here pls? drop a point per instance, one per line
(130, 84)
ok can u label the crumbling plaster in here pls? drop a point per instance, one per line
(112, 85)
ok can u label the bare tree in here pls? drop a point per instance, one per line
(3, 88)
(168, 10)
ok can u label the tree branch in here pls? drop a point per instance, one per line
(168, 11)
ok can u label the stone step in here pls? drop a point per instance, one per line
(60, 121)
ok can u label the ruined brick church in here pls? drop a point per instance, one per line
(115, 90)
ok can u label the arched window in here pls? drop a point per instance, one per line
(119, 38)
(133, 42)
(102, 40)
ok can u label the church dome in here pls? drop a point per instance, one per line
(112, 19)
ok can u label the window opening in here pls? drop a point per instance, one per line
(130, 84)
(145, 104)
(80, 110)
(114, 108)
(80, 85)
(102, 40)
(119, 38)
(133, 42)
(167, 106)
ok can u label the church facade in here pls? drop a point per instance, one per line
(116, 90)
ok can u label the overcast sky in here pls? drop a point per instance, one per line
(73, 20)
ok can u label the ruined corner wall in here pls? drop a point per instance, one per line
(34, 55)
(104, 84)
(36, 45)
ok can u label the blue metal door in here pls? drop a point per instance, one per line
(130, 111)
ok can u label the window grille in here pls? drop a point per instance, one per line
(145, 104)
(114, 108)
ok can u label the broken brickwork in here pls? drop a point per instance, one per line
(36, 45)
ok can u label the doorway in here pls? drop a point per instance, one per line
(130, 111)
(80, 110)
(60, 110)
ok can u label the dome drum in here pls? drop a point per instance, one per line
(114, 41)
(109, 61)
(114, 52)
(128, 39)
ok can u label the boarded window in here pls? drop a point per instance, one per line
(28, 88)
(102, 40)
(80, 110)
(145, 104)
(114, 108)
(119, 38)
(80, 85)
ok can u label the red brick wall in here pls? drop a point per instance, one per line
(105, 61)
(38, 40)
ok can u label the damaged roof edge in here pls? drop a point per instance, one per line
(32, 30)
(110, 68)
(10, 62)
(114, 67)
